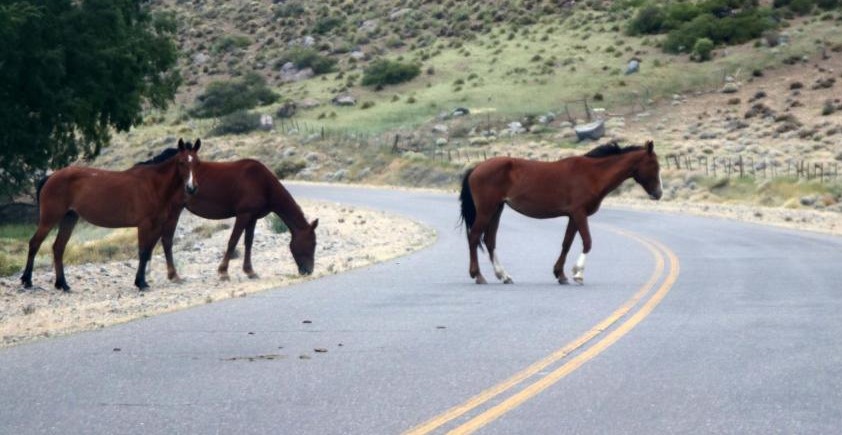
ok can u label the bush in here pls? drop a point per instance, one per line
(732, 29)
(288, 168)
(303, 57)
(702, 49)
(801, 7)
(648, 20)
(229, 43)
(827, 4)
(239, 122)
(278, 226)
(326, 24)
(224, 97)
(387, 72)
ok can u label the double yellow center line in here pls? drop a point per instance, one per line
(659, 252)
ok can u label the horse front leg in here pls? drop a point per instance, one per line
(581, 220)
(239, 225)
(65, 229)
(249, 240)
(147, 237)
(167, 236)
(569, 235)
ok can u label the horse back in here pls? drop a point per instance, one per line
(102, 197)
(229, 188)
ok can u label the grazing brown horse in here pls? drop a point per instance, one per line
(248, 190)
(572, 187)
(149, 196)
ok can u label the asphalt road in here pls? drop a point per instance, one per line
(684, 325)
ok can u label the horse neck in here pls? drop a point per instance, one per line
(619, 168)
(164, 176)
(287, 209)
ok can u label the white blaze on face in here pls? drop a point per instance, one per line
(190, 184)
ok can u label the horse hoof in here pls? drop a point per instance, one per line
(481, 280)
(508, 280)
(579, 280)
(27, 284)
(177, 280)
(224, 277)
(563, 280)
(252, 275)
(63, 287)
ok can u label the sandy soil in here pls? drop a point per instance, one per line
(103, 294)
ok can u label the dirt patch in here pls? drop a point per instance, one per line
(103, 294)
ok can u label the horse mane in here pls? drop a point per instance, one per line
(611, 149)
(160, 158)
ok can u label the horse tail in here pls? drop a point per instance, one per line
(469, 209)
(38, 187)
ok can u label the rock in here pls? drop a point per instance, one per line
(399, 13)
(266, 122)
(708, 135)
(440, 128)
(593, 130)
(460, 111)
(730, 88)
(478, 140)
(296, 75)
(633, 66)
(344, 100)
(516, 128)
(289, 152)
(200, 58)
(807, 200)
(358, 55)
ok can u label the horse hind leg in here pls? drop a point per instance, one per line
(47, 221)
(490, 240)
(239, 226)
(248, 241)
(65, 230)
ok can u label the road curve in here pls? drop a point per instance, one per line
(685, 324)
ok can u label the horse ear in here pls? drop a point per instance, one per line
(197, 145)
(650, 146)
(314, 224)
(181, 144)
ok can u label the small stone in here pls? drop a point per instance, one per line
(320, 350)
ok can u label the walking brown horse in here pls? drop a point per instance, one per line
(149, 196)
(248, 190)
(572, 187)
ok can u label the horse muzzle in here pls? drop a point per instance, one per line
(656, 195)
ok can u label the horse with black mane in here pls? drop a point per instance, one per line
(149, 196)
(573, 187)
(247, 190)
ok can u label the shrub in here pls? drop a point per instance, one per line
(732, 29)
(827, 4)
(304, 57)
(278, 226)
(387, 72)
(288, 168)
(228, 43)
(239, 122)
(224, 97)
(801, 7)
(702, 49)
(648, 20)
(326, 24)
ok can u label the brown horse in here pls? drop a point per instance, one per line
(148, 196)
(572, 187)
(248, 190)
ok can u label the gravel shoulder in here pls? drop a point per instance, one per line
(103, 294)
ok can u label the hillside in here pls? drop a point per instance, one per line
(536, 64)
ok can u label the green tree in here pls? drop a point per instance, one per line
(224, 97)
(70, 72)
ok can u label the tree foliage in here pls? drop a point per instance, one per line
(70, 71)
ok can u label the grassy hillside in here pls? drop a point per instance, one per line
(505, 61)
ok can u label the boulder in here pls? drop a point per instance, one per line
(593, 130)
(344, 100)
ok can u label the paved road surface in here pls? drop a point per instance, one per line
(685, 325)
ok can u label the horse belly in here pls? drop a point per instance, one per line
(537, 206)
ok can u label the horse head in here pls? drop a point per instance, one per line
(647, 172)
(188, 161)
(303, 247)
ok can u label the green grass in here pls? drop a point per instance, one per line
(498, 89)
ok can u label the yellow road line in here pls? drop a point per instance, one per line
(488, 394)
(545, 382)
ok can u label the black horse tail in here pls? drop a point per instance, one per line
(469, 209)
(38, 187)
